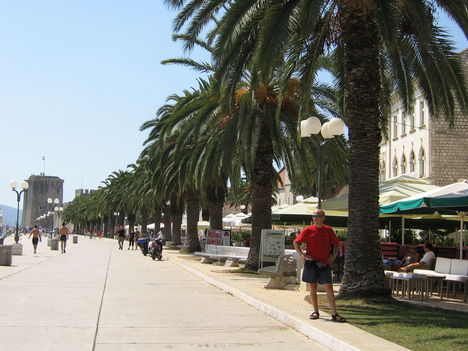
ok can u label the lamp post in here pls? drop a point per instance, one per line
(24, 186)
(116, 214)
(243, 209)
(58, 210)
(52, 203)
(312, 126)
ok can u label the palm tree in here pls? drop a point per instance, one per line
(258, 130)
(377, 42)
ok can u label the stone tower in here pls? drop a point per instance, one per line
(35, 204)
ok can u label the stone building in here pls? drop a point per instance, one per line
(35, 204)
(425, 147)
(285, 195)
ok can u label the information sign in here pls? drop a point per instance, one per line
(271, 245)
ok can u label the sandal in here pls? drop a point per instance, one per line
(314, 315)
(338, 318)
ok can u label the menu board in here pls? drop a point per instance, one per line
(214, 237)
(271, 245)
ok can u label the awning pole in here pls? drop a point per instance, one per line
(462, 215)
(402, 230)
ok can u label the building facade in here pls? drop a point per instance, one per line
(425, 147)
(35, 204)
(285, 195)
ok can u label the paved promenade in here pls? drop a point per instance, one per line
(96, 297)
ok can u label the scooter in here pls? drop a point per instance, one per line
(143, 245)
(155, 249)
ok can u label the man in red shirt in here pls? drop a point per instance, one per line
(317, 260)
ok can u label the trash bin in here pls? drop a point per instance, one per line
(5, 255)
(54, 244)
(75, 239)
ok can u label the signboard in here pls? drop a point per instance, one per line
(214, 237)
(271, 245)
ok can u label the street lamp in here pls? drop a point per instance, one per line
(58, 210)
(52, 203)
(312, 126)
(116, 214)
(24, 186)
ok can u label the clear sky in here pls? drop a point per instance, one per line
(77, 80)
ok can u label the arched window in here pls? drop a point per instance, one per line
(382, 172)
(403, 123)
(395, 127)
(395, 167)
(411, 162)
(403, 164)
(422, 115)
(422, 163)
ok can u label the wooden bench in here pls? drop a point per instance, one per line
(231, 254)
(280, 274)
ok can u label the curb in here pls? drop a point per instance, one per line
(305, 329)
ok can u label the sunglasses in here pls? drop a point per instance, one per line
(317, 216)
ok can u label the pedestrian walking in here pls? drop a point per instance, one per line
(317, 260)
(64, 232)
(121, 236)
(36, 234)
(100, 234)
(131, 239)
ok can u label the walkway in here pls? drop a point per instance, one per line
(96, 297)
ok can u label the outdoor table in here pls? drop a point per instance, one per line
(435, 278)
(409, 283)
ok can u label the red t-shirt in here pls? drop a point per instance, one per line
(318, 241)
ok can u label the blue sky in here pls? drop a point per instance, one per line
(77, 80)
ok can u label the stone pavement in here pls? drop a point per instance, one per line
(96, 297)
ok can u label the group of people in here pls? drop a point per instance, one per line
(36, 235)
(133, 237)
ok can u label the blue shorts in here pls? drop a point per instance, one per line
(312, 274)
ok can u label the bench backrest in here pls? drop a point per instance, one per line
(227, 250)
(389, 250)
(286, 264)
(459, 267)
(443, 265)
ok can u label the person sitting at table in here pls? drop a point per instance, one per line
(411, 257)
(425, 263)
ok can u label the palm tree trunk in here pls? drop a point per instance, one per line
(177, 211)
(192, 243)
(131, 221)
(144, 221)
(157, 219)
(262, 177)
(363, 271)
(106, 225)
(215, 195)
(167, 233)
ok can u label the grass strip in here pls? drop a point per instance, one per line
(418, 328)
